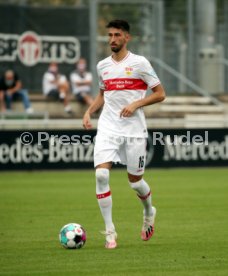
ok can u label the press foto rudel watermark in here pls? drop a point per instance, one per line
(156, 137)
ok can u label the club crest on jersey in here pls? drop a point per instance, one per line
(128, 71)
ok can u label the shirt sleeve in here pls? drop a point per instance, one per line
(89, 76)
(48, 77)
(74, 78)
(101, 83)
(148, 74)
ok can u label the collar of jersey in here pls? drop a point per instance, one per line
(118, 62)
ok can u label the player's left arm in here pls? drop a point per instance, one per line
(157, 95)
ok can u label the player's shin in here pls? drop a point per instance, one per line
(144, 193)
(104, 197)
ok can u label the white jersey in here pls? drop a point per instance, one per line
(75, 77)
(49, 84)
(123, 83)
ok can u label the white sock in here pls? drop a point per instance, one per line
(144, 193)
(67, 108)
(104, 197)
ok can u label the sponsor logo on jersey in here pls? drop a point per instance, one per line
(125, 84)
(30, 48)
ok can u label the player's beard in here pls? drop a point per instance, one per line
(116, 48)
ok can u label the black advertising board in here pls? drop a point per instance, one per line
(73, 149)
(26, 150)
(31, 37)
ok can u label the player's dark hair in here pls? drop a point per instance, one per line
(119, 24)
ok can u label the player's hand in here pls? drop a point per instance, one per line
(87, 121)
(127, 111)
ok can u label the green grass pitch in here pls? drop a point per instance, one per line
(191, 231)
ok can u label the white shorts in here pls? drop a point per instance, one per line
(128, 151)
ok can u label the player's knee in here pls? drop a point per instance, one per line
(135, 185)
(134, 178)
(102, 176)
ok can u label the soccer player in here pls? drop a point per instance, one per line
(121, 137)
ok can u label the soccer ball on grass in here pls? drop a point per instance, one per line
(72, 236)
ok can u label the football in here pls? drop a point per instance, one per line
(72, 236)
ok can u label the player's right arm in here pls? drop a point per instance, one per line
(96, 105)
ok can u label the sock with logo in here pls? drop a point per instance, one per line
(104, 197)
(144, 193)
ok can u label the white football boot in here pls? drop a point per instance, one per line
(148, 226)
(111, 237)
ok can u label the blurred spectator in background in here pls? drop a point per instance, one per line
(55, 85)
(11, 89)
(81, 82)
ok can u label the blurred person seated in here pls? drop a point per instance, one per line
(11, 89)
(81, 82)
(55, 85)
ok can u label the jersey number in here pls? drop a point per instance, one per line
(141, 161)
